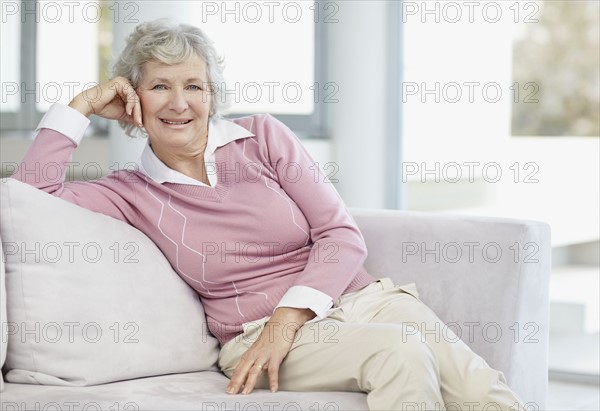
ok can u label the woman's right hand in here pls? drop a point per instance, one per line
(115, 99)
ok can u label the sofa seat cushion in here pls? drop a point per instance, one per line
(189, 391)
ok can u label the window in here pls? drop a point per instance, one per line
(272, 57)
(61, 47)
(269, 54)
(50, 53)
(484, 84)
(9, 64)
(555, 70)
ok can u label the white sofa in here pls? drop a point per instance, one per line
(155, 352)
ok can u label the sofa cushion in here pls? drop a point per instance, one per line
(91, 299)
(191, 391)
(3, 329)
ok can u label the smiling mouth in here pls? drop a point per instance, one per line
(175, 122)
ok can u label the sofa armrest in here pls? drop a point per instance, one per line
(486, 278)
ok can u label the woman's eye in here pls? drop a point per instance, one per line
(159, 87)
(194, 87)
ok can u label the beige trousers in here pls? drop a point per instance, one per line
(382, 341)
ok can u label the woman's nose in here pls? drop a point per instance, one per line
(178, 101)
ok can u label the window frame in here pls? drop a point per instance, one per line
(308, 125)
(27, 118)
(28, 114)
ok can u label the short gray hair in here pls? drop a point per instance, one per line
(163, 42)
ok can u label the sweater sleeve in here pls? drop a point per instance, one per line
(45, 164)
(338, 250)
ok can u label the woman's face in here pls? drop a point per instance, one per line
(175, 105)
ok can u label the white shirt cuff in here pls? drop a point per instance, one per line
(300, 296)
(65, 120)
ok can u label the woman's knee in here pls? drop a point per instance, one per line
(403, 344)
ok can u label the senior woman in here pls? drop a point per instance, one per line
(270, 247)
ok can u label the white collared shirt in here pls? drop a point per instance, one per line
(220, 133)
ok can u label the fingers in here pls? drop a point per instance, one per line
(274, 376)
(246, 376)
(239, 376)
(133, 109)
(133, 103)
(116, 100)
(137, 112)
(267, 353)
(255, 371)
(127, 93)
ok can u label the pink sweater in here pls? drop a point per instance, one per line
(272, 221)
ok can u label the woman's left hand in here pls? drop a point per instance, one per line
(269, 350)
